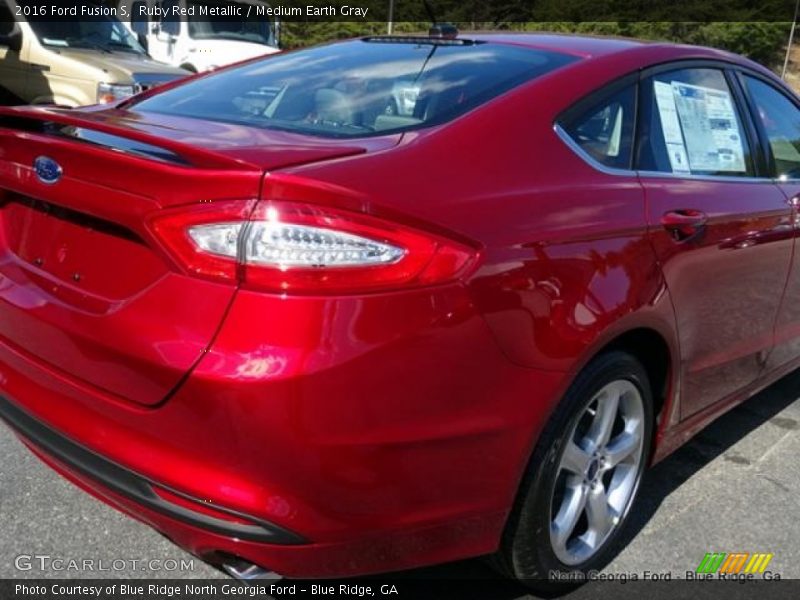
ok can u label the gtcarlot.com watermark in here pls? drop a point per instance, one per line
(61, 564)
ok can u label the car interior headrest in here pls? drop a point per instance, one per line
(333, 106)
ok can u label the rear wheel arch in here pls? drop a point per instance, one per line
(652, 350)
(521, 546)
(647, 344)
(189, 67)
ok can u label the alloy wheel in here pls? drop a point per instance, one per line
(598, 473)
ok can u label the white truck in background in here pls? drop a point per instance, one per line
(207, 37)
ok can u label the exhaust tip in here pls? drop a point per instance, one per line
(244, 570)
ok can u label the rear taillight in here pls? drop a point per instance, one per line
(300, 248)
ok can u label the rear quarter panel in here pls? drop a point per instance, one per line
(567, 265)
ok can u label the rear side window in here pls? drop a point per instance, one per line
(358, 88)
(605, 130)
(691, 126)
(780, 119)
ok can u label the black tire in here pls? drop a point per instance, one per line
(526, 551)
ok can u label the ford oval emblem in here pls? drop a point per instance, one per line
(47, 170)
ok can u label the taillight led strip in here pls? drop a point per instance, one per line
(292, 247)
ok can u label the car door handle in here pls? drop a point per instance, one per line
(684, 224)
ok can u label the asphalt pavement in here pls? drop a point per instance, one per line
(734, 488)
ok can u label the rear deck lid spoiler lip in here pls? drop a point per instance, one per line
(196, 156)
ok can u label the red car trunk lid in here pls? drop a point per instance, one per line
(84, 289)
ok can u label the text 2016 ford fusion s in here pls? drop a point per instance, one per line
(398, 301)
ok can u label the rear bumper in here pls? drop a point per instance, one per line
(345, 442)
(125, 483)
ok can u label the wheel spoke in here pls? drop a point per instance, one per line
(621, 486)
(601, 517)
(569, 513)
(603, 422)
(575, 459)
(621, 447)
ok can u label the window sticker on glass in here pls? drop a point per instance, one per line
(671, 127)
(710, 129)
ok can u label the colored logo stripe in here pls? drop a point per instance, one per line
(758, 563)
(734, 562)
(711, 562)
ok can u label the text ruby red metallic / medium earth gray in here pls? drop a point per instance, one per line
(398, 301)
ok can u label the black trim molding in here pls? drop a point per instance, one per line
(135, 487)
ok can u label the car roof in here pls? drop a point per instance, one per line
(585, 46)
(597, 46)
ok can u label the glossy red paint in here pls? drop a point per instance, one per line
(388, 429)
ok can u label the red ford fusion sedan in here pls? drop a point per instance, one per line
(398, 301)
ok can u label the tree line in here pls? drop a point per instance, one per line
(762, 41)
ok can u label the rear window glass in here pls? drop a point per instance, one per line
(358, 88)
